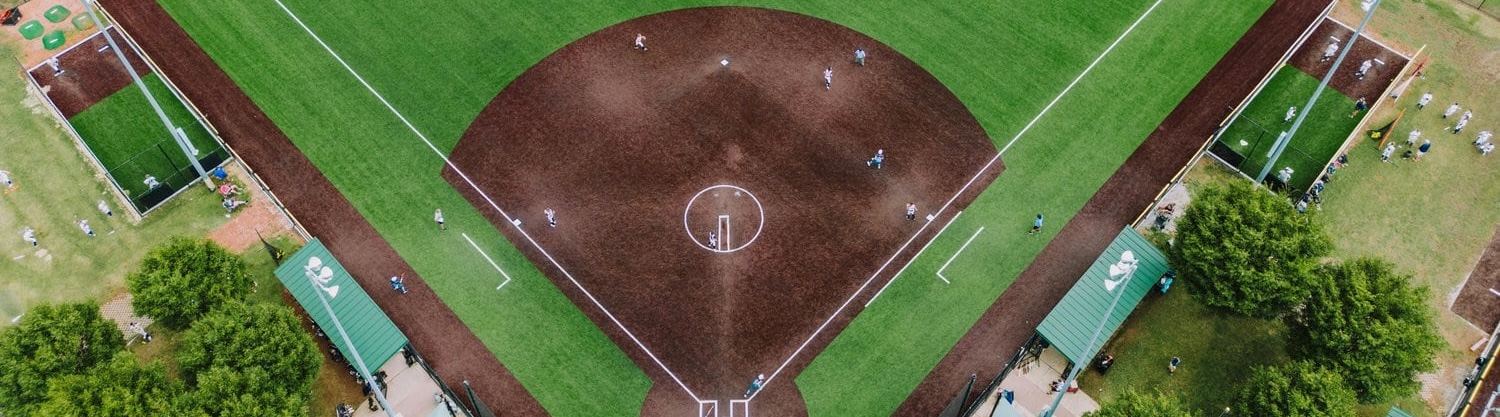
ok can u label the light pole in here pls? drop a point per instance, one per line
(320, 276)
(1225, 413)
(1125, 270)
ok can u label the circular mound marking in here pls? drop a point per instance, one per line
(723, 224)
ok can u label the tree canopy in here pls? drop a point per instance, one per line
(1245, 250)
(1297, 389)
(1366, 322)
(120, 387)
(52, 341)
(185, 278)
(1131, 404)
(253, 358)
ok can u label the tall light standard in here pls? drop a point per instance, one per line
(320, 275)
(1120, 274)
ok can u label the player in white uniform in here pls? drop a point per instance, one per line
(713, 241)
(551, 217)
(1333, 48)
(1426, 98)
(640, 42)
(1364, 67)
(828, 78)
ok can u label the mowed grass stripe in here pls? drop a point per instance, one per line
(1055, 169)
(392, 179)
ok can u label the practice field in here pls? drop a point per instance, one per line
(1254, 132)
(375, 118)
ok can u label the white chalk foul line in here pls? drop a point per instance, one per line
(487, 258)
(490, 202)
(966, 186)
(955, 255)
(908, 264)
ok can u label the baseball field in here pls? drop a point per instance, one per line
(365, 117)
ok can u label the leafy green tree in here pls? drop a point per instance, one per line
(1132, 404)
(120, 387)
(1366, 322)
(1245, 250)
(249, 360)
(51, 341)
(252, 392)
(185, 278)
(1297, 389)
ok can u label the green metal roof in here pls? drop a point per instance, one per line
(1071, 323)
(374, 336)
(1397, 412)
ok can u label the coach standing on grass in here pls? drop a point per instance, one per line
(437, 216)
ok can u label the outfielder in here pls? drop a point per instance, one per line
(551, 217)
(640, 42)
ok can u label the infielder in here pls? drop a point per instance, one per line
(859, 56)
(551, 217)
(911, 211)
(828, 78)
(640, 42)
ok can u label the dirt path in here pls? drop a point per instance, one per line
(431, 326)
(1014, 317)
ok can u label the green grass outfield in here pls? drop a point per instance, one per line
(1317, 139)
(123, 132)
(1005, 61)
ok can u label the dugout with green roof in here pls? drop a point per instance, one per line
(1072, 322)
(372, 333)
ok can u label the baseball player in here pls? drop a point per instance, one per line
(5, 178)
(1411, 139)
(1036, 225)
(1426, 146)
(1290, 113)
(104, 208)
(151, 182)
(1460, 126)
(828, 78)
(859, 56)
(1467, 114)
(878, 160)
(551, 217)
(29, 236)
(1364, 67)
(713, 241)
(760, 380)
(1426, 98)
(911, 211)
(1385, 155)
(1452, 108)
(399, 284)
(437, 216)
(640, 42)
(1333, 48)
(84, 226)
(57, 70)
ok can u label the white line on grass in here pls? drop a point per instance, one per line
(908, 264)
(487, 258)
(861, 288)
(490, 201)
(955, 255)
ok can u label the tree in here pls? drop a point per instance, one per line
(184, 279)
(1131, 404)
(51, 342)
(256, 359)
(120, 387)
(1245, 250)
(1366, 322)
(1296, 389)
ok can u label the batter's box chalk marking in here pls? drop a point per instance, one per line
(955, 255)
(491, 261)
(739, 408)
(708, 408)
(913, 257)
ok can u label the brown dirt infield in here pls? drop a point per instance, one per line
(432, 328)
(1475, 302)
(1013, 318)
(89, 76)
(618, 142)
